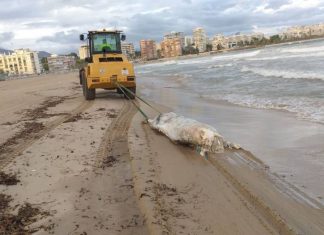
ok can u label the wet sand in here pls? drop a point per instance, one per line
(229, 193)
(292, 148)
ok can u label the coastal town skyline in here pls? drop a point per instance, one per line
(53, 26)
(25, 61)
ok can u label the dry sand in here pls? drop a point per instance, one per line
(69, 166)
(73, 164)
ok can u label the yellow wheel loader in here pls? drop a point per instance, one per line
(106, 66)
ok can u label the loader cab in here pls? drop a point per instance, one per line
(103, 42)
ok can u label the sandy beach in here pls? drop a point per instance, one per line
(70, 166)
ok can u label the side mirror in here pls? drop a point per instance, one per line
(82, 37)
(123, 37)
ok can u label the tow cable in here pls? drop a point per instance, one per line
(123, 89)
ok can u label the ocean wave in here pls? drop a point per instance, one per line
(182, 78)
(283, 73)
(219, 66)
(236, 56)
(203, 60)
(303, 49)
(305, 108)
(158, 64)
(287, 56)
(144, 72)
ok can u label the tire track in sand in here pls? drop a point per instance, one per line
(113, 172)
(265, 211)
(18, 148)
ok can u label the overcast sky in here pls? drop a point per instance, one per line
(54, 25)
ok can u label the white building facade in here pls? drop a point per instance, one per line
(188, 41)
(299, 32)
(221, 42)
(128, 49)
(20, 62)
(83, 52)
(200, 39)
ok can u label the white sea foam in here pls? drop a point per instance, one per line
(182, 78)
(305, 108)
(159, 64)
(283, 73)
(233, 56)
(144, 72)
(303, 49)
(287, 56)
(220, 66)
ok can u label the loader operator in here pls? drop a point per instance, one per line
(105, 46)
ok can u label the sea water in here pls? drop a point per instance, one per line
(285, 77)
(277, 94)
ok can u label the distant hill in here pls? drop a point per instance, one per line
(2, 51)
(42, 54)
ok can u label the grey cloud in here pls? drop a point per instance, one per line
(40, 24)
(145, 19)
(6, 36)
(68, 37)
(6, 39)
(275, 4)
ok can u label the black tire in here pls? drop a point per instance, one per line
(80, 75)
(119, 91)
(89, 94)
(130, 95)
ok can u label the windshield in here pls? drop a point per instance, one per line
(103, 43)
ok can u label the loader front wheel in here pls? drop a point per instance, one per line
(89, 94)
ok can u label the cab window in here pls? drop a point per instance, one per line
(106, 43)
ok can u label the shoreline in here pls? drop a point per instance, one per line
(214, 53)
(245, 173)
(276, 146)
(282, 110)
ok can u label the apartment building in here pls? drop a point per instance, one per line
(128, 49)
(83, 52)
(200, 39)
(20, 62)
(171, 47)
(298, 32)
(188, 41)
(219, 42)
(256, 35)
(317, 30)
(148, 49)
(238, 40)
(59, 63)
(173, 35)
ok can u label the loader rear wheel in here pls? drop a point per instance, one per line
(130, 95)
(89, 94)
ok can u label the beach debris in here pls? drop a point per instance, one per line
(8, 179)
(191, 132)
(20, 223)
